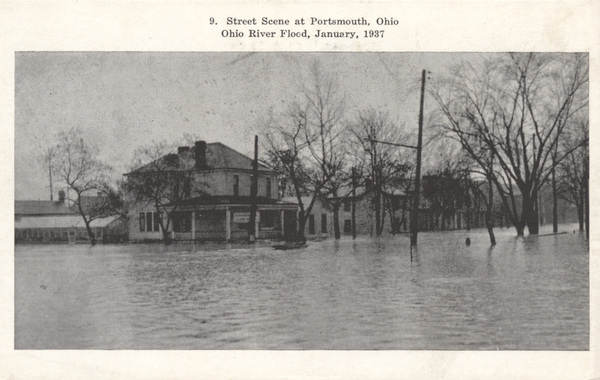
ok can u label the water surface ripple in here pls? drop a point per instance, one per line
(527, 293)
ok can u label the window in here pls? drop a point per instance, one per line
(347, 226)
(236, 185)
(149, 221)
(311, 224)
(347, 204)
(323, 223)
(142, 221)
(268, 187)
(187, 186)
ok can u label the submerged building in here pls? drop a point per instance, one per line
(49, 221)
(203, 193)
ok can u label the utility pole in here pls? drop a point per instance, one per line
(353, 202)
(414, 218)
(50, 175)
(253, 233)
(49, 155)
(554, 196)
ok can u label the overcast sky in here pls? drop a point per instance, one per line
(124, 100)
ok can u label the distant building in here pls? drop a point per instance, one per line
(43, 208)
(66, 229)
(56, 222)
(396, 218)
(216, 198)
(319, 223)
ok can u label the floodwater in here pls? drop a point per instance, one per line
(527, 293)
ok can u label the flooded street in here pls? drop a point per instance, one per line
(528, 293)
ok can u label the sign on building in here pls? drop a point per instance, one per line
(243, 216)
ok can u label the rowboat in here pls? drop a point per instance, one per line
(290, 245)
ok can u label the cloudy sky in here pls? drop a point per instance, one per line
(124, 100)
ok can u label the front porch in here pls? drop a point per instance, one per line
(232, 223)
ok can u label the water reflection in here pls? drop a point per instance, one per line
(524, 293)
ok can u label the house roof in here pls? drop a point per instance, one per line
(67, 221)
(91, 202)
(39, 208)
(218, 156)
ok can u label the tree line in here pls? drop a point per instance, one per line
(519, 120)
(514, 124)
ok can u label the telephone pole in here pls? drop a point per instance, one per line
(414, 218)
(253, 235)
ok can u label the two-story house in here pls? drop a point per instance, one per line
(207, 196)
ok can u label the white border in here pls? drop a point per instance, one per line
(183, 26)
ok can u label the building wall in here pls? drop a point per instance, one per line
(319, 209)
(222, 183)
(134, 225)
(55, 235)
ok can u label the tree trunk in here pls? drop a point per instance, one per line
(520, 227)
(554, 201)
(336, 219)
(382, 223)
(166, 234)
(90, 232)
(393, 219)
(586, 188)
(531, 215)
(377, 213)
(580, 216)
(86, 221)
(489, 221)
(580, 206)
(301, 226)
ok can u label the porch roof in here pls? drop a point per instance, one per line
(220, 202)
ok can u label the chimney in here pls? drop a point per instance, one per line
(200, 154)
(183, 149)
(61, 197)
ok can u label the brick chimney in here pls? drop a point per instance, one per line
(61, 197)
(200, 154)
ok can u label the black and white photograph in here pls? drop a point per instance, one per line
(299, 190)
(315, 201)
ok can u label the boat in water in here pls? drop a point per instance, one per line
(290, 245)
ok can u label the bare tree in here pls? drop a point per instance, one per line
(162, 180)
(386, 167)
(305, 142)
(514, 107)
(572, 184)
(74, 162)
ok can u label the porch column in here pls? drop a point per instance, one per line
(282, 224)
(193, 225)
(227, 224)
